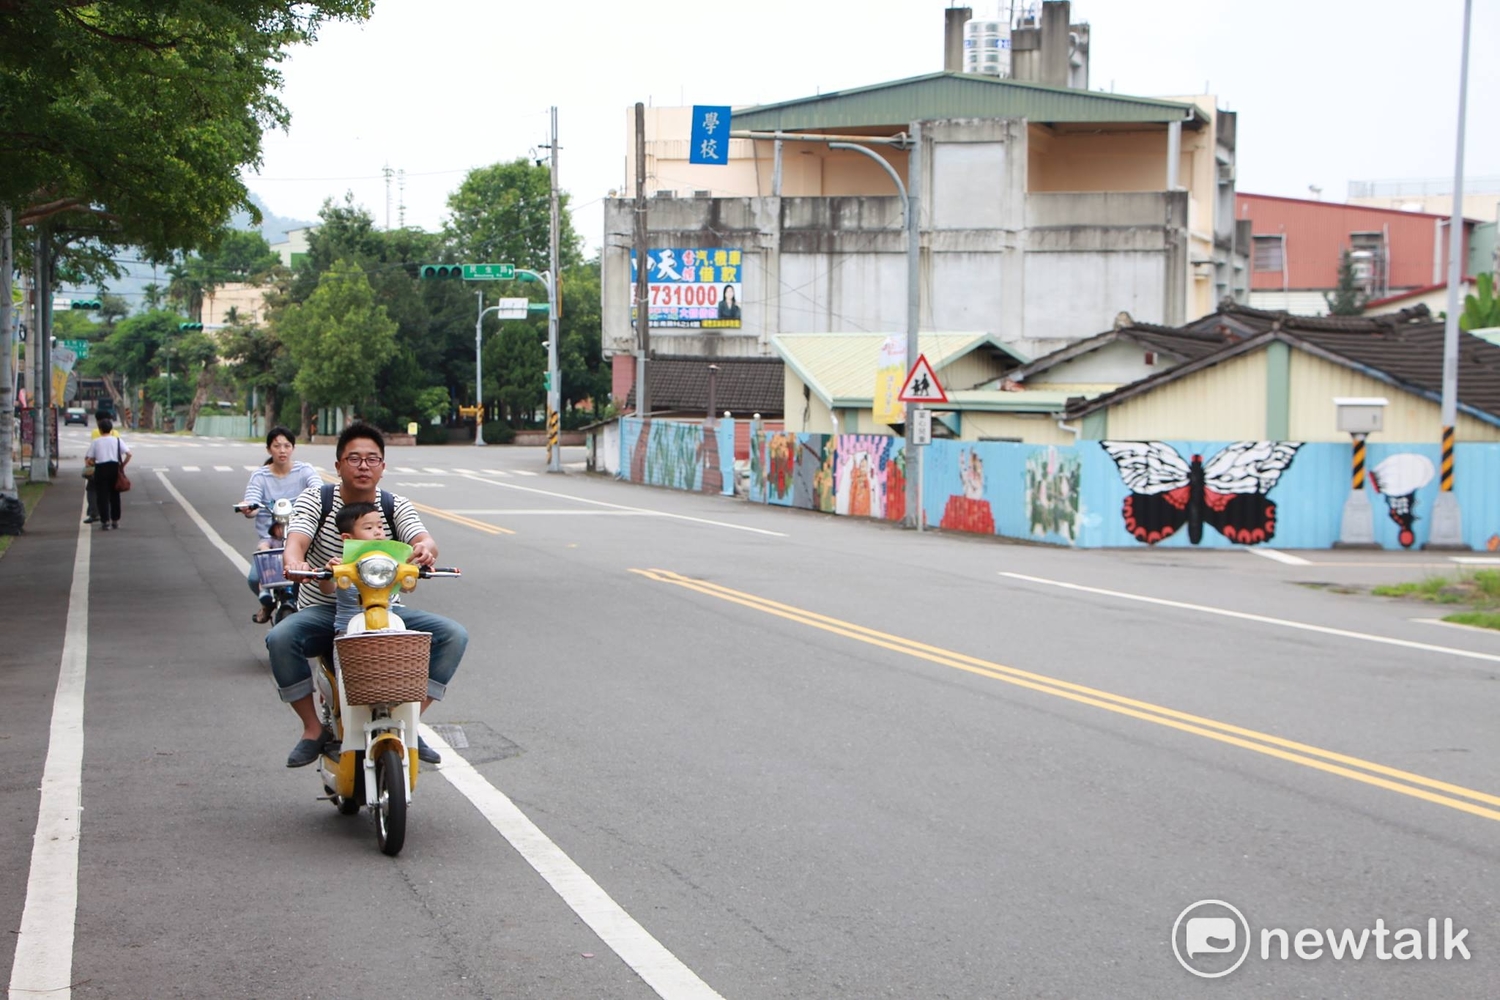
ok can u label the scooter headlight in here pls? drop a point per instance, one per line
(377, 571)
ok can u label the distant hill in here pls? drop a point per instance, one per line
(273, 227)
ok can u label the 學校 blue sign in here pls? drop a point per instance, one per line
(710, 141)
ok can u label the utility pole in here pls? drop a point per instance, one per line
(642, 243)
(38, 351)
(1447, 523)
(479, 371)
(913, 318)
(554, 382)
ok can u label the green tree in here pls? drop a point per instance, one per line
(339, 338)
(128, 357)
(515, 365)
(1347, 298)
(1482, 308)
(501, 214)
(585, 375)
(257, 360)
(136, 117)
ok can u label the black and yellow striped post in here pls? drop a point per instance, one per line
(552, 424)
(1447, 474)
(1358, 475)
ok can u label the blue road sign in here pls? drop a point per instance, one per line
(710, 141)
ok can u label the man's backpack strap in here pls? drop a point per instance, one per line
(387, 507)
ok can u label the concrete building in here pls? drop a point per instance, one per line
(1044, 212)
(1430, 196)
(294, 247)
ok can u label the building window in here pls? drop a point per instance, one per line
(1269, 253)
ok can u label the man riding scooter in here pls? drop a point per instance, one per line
(312, 539)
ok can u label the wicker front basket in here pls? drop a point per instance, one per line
(383, 668)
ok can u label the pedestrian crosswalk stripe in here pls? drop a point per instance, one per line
(440, 472)
(223, 468)
(523, 472)
(251, 468)
(189, 468)
(496, 472)
(405, 468)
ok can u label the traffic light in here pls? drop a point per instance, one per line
(442, 272)
(189, 326)
(85, 304)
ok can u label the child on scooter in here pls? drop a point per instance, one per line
(360, 522)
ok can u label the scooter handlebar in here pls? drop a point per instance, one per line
(310, 574)
(246, 506)
(429, 573)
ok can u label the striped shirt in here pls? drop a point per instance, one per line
(266, 487)
(326, 544)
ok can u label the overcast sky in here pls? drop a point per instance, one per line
(1328, 91)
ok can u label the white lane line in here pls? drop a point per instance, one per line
(1263, 619)
(552, 510)
(1278, 556)
(1476, 560)
(435, 472)
(223, 468)
(240, 562)
(494, 472)
(661, 970)
(408, 470)
(1471, 628)
(189, 468)
(634, 510)
(523, 472)
(43, 963)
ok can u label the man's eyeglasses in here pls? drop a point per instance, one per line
(363, 461)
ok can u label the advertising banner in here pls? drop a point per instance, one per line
(888, 376)
(692, 288)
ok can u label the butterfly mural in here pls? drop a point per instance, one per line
(1227, 492)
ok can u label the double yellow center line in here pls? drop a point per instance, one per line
(1392, 779)
(468, 522)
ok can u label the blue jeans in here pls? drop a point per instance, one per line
(309, 632)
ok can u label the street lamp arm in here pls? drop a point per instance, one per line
(886, 166)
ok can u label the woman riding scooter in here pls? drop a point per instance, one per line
(280, 477)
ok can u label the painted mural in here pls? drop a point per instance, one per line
(969, 510)
(1398, 478)
(1285, 494)
(860, 483)
(1227, 492)
(1054, 493)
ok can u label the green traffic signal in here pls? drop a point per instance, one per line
(441, 272)
(189, 326)
(85, 304)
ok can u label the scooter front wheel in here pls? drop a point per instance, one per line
(390, 803)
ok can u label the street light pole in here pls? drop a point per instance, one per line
(554, 390)
(1447, 523)
(479, 368)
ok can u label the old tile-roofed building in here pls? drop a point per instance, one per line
(743, 386)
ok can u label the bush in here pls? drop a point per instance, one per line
(498, 432)
(432, 434)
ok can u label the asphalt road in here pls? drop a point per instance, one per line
(802, 756)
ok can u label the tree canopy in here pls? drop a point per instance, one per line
(339, 338)
(501, 215)
(132, 120)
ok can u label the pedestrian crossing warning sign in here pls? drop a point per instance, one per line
(922, 385)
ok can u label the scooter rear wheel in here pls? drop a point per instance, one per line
(390, 803)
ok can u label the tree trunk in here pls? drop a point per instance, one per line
(200, 395)
(270, 407)
(306, 427)
(7, 400)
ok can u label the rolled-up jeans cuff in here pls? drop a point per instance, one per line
(299, 690)
(436, 689)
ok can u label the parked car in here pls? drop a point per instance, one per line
(76, 415)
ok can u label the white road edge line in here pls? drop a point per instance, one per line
(661, 970)
(1263, 619)
(43, 963)
(1470, 628)
(1278, 556)
(616, 506)
(658, 967)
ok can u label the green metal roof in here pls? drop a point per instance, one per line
(957, 95)
(840, 367)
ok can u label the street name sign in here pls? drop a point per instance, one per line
(489, 272)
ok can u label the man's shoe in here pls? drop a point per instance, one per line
(306, 751)
(90, 520)
(426, 754)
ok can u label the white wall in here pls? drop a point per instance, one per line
(1118, 363)
(1076, 295)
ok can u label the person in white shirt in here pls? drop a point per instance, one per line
(108, 455)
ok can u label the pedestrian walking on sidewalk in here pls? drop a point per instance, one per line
(108, 454)
(88, 477)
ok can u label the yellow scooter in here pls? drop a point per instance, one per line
(372, 688)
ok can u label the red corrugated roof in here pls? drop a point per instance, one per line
(1318, 232)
